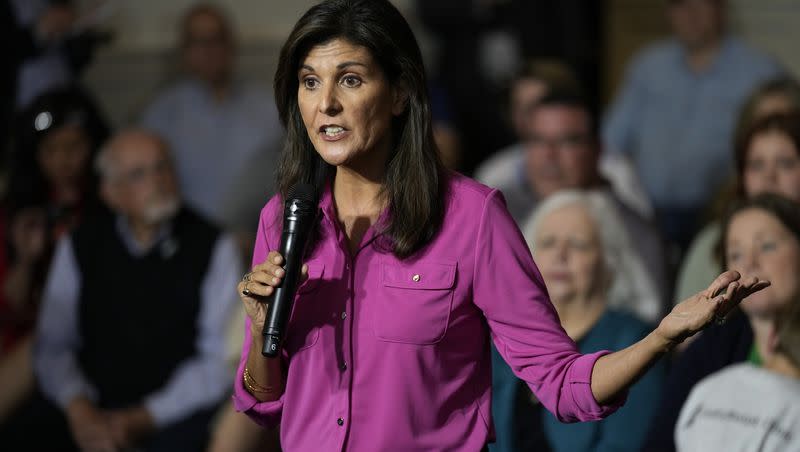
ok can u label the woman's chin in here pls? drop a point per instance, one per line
(761, 304)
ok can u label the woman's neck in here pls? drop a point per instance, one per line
(762, 328)
(356, 194)
(359, 202)
(772, 359)
(579, 315)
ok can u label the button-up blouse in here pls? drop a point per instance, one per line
(386, 354)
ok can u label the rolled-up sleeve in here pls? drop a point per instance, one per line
(267, 414)
(510, 291)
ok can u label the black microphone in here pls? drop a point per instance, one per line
(299, 215)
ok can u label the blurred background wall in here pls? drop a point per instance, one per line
(142, 56)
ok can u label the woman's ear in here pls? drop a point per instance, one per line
(399, 99)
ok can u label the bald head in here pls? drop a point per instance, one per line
(124, 146)
(137, 176)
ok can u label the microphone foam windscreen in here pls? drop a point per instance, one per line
(304, 192)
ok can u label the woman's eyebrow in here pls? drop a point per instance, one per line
(347, 64)
(339, 66)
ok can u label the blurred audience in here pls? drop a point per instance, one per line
(218, 126)
(767, 158)
(130, 344)
(65, 43)
(530, 84)
(590, 266)
(561, 152)
(33, 27)
(51, 189)
(445, 131)
(482, 43)
(676, 110)
(755, 406)
(761, 236)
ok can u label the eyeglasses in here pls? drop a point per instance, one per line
(138, 174)
(568, 141)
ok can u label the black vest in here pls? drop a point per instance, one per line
(138, 316)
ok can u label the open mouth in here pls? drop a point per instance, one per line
(332, 131)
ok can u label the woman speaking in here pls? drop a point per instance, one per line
(410, 270)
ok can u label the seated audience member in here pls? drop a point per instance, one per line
(746, 406)
(776, 96)
(766, 233)
(532, 82)
(675, 112)
(216, 124)
(130, 343)
(51, 189)
(588, 263)
(561, 152)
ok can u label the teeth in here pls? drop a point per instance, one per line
(333, 131)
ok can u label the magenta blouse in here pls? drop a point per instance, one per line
(390, 354)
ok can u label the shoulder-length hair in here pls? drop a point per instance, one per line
(786, 124)
(414, 177)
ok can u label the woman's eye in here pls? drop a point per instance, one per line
(309, 83)
(733, 258)
(768, 246)
(788, 163)
(580, 244)
(754, 165)
(545, 243)
(351, 81)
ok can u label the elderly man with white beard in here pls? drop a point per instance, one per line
(130, 343)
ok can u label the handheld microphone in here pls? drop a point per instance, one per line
(299, 215)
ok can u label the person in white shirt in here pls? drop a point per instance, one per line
(747, 407)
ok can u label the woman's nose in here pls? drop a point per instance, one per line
(562, 252)
(329, 103)
(750, 261)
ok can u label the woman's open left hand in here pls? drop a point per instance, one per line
(699, 311)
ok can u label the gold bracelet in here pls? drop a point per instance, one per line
(253, 385)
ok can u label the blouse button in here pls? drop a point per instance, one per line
(415, 278)
(340, 421)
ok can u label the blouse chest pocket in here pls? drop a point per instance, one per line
(414, 302)
(307, 314)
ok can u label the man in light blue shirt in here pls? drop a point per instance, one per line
(676, 110)
(217, 126)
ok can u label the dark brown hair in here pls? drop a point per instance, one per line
(787, 124)
(786, 211)
(414, 178)
(785, 87)
(211, 9)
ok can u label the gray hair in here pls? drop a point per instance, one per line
(631, 287)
